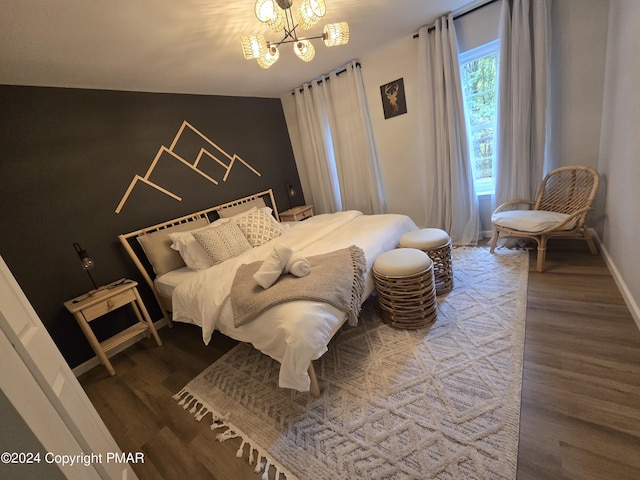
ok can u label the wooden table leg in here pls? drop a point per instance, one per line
(95, 344)
(147, 318)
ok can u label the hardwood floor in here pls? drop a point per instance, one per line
(580, 414)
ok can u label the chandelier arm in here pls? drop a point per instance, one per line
(290, 29)
(295, 40)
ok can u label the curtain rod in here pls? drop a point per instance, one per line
(318, 82)
(460, 15)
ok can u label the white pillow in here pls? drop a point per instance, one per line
(157, 246)
(190, 250)
(222, 241)
(259, 227)
(529, 220)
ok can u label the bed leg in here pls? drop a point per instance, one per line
(315, 388)
(166, 315)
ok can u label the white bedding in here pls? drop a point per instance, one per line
(167, 283)
(293, 333)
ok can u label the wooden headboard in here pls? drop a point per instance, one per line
(134, 250)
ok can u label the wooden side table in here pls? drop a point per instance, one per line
(95, 304)
(297, 213)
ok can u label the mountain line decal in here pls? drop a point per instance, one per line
(226, 165)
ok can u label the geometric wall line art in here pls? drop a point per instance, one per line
(226, 162)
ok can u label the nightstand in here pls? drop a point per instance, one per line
(297, 213)
(97, 303)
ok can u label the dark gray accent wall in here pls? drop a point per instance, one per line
(69, 155)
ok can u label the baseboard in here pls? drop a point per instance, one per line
(94, 362)
(622, 286)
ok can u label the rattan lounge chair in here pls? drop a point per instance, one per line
(564, 199)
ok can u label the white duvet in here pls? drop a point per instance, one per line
(293, 333)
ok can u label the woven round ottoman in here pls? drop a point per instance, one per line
(437, 244)
(406, 289)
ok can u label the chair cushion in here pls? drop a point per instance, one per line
(529, 220)
(402, 261)
(425, 238)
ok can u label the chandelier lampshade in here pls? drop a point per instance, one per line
(278, 15)
(270, 14)
(304, 50)
(310, 12)
(254, 46)
(270, 57)
(336, 34)
(265, 10)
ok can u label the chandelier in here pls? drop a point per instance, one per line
(279, 16)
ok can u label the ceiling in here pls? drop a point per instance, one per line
(184, 46)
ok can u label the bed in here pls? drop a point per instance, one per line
(294, 332)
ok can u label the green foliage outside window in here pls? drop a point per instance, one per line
(479, 80)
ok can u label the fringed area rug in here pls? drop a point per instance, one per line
(441, 402)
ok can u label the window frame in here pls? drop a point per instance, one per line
(482, 186)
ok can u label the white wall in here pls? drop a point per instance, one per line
(579, 38)
(397, 139)
(619, 163)
(578, 54)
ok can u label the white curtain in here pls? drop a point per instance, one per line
(524, 70)
(452, 204)
(339, 165)
(318, 176)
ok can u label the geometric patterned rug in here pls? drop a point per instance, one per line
(441, 402)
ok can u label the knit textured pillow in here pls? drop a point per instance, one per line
(259, 227)
(222, 242)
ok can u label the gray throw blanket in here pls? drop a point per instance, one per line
(336, 278)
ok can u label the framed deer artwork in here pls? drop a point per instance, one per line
(394, 102)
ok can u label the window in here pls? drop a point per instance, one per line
(479, 76)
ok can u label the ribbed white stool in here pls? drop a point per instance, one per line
(437, 244)
(406, 288)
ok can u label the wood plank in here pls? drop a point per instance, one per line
(172, 458)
